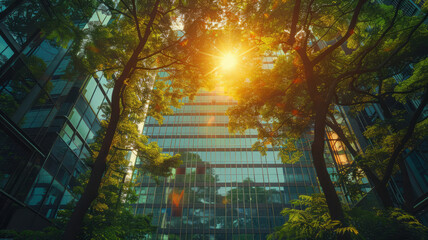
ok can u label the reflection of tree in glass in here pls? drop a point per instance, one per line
(19, 85)
(21, 79)
(55, 20)
(22, 22)
(248, 194)
(193, 172)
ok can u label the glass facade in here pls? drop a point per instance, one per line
(223, 189)
(52, 188)
(47, 120)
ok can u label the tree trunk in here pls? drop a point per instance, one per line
(383, 194)
(408, 194)
(385, 109)
(318, 145)
(91, 191)
(381, 191)
(404, 174)
(402, 145)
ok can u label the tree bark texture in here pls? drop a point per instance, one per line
(408, 193)
(383, 194)
(91, 190)
(318, 146)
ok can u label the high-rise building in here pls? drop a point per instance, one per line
(46, 119)
(223, 189)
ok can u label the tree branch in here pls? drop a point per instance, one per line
(356, 89)
(355, 103)
(348, 33)
(126, 6)
(391, 24)
(156, 68)
(359, 71)
(113, 9)
(137, 22)
(160, 51)
(296, 12)
(405, 139)
(328, 28)
(338, 130)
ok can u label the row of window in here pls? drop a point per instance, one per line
(220, 190)
(206, 142)
(180, 119)
(208, 99)
(211, 212)
(235, 157)
(190, 130)
(201, 109)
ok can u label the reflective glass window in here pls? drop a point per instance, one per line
(5, 51)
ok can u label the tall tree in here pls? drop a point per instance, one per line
(140, 40)
(295, 91)
(377, 58)
(111, 215)
(324, 46)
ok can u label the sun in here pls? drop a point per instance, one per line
(229, 61)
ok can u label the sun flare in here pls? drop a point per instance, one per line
(229, 61)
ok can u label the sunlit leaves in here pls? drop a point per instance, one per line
(309, 219)
(414, 83)
(289, 153)
(271, 102)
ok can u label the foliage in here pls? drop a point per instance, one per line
(50, 233)
(309, 219)
(57, 21)
(387, 224)
(113, 221)
(129, 51)
(313, 222)
(416, 81)
(314, 72)
(111, 214)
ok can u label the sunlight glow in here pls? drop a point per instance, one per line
(229, 61)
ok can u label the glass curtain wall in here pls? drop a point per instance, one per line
(223, 189)
(47, 120)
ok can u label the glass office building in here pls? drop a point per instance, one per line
(223, 189)
(46, 119)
